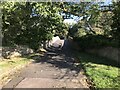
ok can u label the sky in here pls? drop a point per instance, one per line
(108, 2)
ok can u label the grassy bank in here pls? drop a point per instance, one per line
(102, 72)
(10, 67)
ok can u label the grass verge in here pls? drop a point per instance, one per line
(102, 72)
(9, 67)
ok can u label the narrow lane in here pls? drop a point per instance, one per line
(57, 69)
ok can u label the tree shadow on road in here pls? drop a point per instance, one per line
(61, 58)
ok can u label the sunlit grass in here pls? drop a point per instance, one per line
(8, 67)
(10, 64)
(102, 72)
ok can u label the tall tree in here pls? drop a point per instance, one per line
(30, 23)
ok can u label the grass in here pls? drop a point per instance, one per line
(10, 66)
(102, 72)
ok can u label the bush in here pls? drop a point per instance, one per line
(95, 41)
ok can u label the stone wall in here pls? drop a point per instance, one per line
(109, 52)
(9, 52)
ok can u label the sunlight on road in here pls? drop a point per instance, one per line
(57, 42)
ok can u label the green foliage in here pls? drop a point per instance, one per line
(116, 21)
(98, 21)
(95, 41)
(88, 11)
(30, 23)
(73, 30)
(104, 22)
(81, 32)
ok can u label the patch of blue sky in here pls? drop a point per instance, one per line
(107, 2)
(78, 1)
(70, 21)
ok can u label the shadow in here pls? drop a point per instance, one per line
(87, 57)
(60, 58)
(66, 58)
(97, 42)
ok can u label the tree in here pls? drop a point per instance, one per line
(30, 23)
(116, 21)
(89, 11)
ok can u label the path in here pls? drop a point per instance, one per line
(57, 69)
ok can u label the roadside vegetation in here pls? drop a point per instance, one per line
(102, 73)
(100, 32)
(10, 66)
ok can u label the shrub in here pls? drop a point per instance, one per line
(95, 41)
